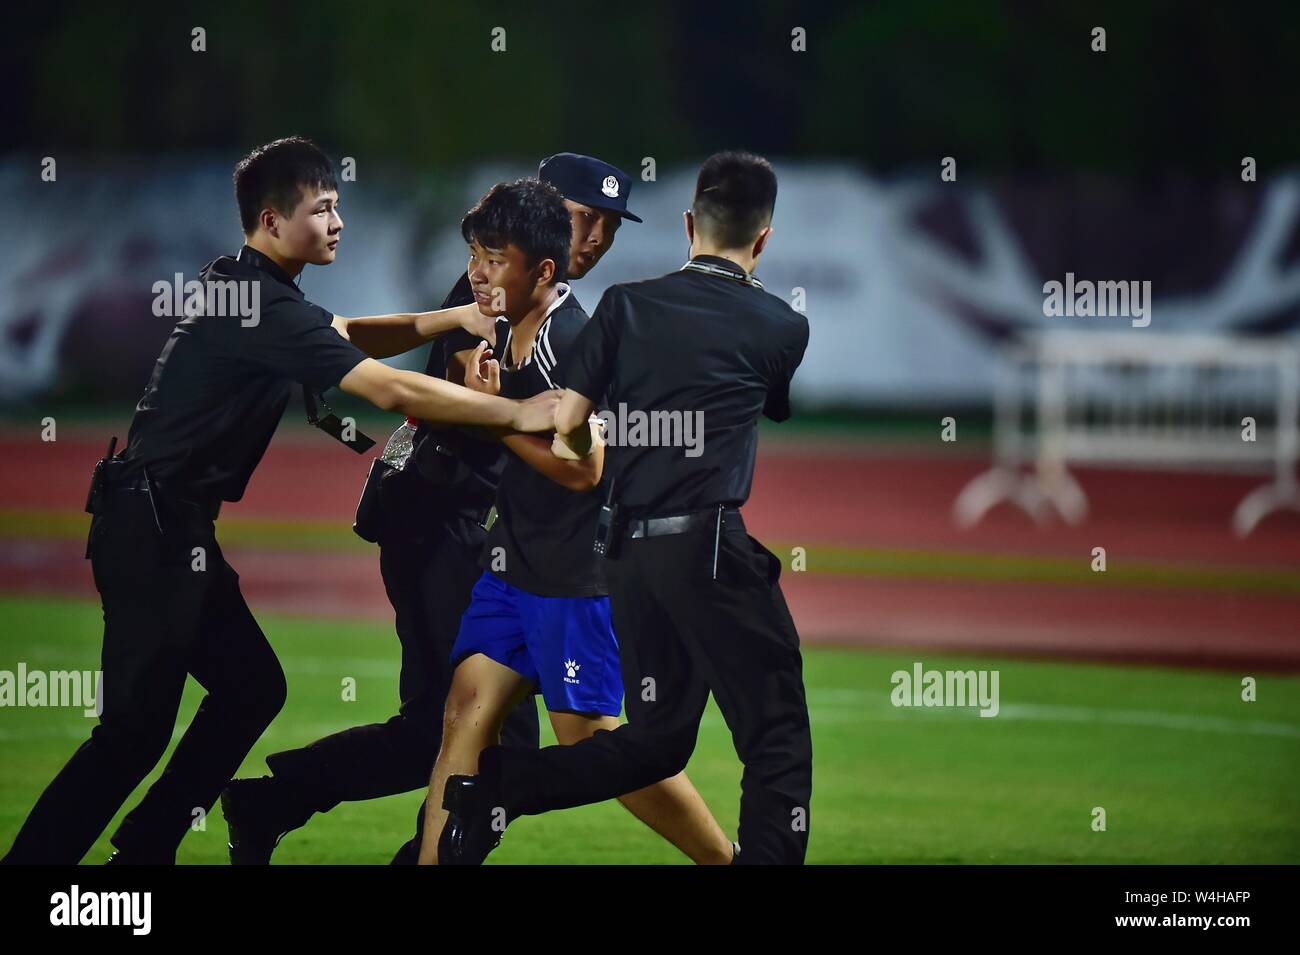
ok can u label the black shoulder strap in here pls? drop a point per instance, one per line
(332, 424)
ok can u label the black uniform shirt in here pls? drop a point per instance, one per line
(544, 530)
(221, 383)
(684, 343)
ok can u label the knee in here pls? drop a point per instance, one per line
(135, 743)
(262, 698)
(275, 691)
(462, 700)
(777, 753)
(415, 737)
(672, 753)
(678, 756)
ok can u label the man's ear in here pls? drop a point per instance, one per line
(545, 271)
(689, 221)
(269, 221)
(761, 242)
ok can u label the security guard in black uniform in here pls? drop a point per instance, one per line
(696, 602)
(172, 605)
(429, 520)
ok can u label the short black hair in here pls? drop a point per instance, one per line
(734, 198)
(527, 213)
(275, 175)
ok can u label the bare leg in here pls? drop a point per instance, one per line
(482, 693)
(673, 808)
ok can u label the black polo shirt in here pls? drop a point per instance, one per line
(541, 541)
(687, 342)
(221, 383)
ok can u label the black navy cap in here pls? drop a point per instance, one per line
(588, 181)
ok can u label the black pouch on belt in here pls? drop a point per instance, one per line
(96, 492)
(369, 521)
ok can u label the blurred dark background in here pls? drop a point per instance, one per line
(1007, 86)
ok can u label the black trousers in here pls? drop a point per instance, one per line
(429, 582)
(682, 634)
(172, 607)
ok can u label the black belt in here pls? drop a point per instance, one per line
(483, 516)
(209, 509)
(638, 528)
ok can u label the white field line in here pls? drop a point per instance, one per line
(841, 706)
(826, 706)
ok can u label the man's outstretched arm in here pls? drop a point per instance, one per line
(441, 402)
(381, 336)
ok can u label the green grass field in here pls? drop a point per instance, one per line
(1186, 771)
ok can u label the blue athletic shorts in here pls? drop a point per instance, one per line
(564, 645)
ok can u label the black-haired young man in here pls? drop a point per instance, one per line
(695, 599)
(430, 537)
(172, 605)
(539, 619)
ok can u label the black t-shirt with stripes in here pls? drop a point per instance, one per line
(541, 541)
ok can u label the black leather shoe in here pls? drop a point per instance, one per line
(255, 819)
(469, 835)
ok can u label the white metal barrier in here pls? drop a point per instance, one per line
(1130, 398)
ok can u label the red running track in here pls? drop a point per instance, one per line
(807, 494)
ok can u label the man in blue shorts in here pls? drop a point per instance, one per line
(539, 617)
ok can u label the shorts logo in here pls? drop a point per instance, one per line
(571, 668)
(610, 187)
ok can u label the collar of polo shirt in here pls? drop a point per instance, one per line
(717, 265)
(251, 257)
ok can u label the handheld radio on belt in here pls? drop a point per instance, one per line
(607, 529)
